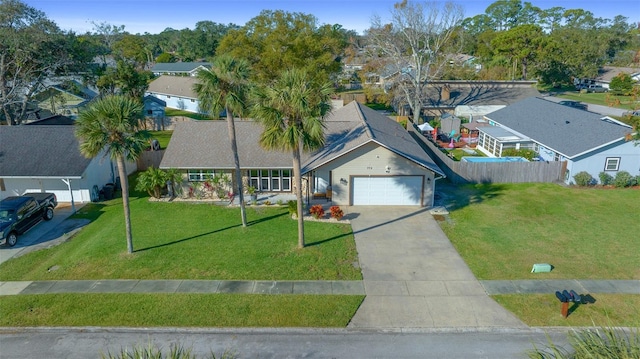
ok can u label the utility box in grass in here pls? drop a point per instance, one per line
(541, 268)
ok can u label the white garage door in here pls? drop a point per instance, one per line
(394, 190)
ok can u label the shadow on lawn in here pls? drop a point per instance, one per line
(249, 223)
(456, 196)
(317, 243)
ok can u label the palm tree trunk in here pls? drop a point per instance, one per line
(298, 188)
(234, 148)
(124, 182)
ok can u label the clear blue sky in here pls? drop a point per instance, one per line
(153, 16)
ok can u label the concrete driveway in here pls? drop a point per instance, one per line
(413, 277)
(45, 233)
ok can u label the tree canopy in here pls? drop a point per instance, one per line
(277, 40)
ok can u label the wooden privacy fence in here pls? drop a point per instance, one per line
(149, 159)
(491, 172)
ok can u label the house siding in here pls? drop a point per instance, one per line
(370, 160)
(178, 102)
(594, 162)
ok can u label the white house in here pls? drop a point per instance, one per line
(176, 91)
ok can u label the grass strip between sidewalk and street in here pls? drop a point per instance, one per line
(178, 310)
(620, 310)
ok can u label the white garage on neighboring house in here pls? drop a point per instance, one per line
(47, 159)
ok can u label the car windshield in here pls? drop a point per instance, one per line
(6, 214)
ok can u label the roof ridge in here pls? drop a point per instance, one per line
(365, 123)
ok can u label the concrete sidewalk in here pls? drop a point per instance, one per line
(184, 286)
(491, 287)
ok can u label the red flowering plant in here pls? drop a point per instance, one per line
(316, 211)
(336, 212)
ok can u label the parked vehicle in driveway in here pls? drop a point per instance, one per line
(18, 214)
(576, 104)
(596, 88)
(631, 113)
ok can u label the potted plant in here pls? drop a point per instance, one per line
(253, 196)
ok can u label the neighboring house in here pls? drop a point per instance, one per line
(176, 91)
(154, 111)
(66, 98)
(179, 68)
(52, 120)
(47, 158)
(606, 74)
(367, 159)
(587, 141)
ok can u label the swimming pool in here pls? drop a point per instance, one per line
(493, 159)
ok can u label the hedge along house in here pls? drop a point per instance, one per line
(47, 158)
(368, 159)
(585, 140)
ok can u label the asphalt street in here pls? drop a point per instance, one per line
(279, 343)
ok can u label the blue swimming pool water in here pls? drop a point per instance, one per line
(494, 159)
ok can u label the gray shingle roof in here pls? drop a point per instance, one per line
(174, 85)
(355, 125)
(205, 144)
(40, 151)
(567, 130)
(178, 66)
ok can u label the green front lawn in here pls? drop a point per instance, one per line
(626, 102)
(501, 230)
(192, 241)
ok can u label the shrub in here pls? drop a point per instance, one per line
(583, 179)
(316, 211)
(636, 181)
(153, 181)
(267, 203)
(623, 179)
(528, 154)
(605, 178)
(336, 212)
(293, 207)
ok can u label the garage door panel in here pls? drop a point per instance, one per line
(398, 190)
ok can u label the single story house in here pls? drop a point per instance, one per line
(176, 91)
(585, 140)
(65, 98)
(606, 74)
(179, 68)
(47, 158)
(368, 159)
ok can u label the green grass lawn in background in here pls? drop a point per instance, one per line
(163, 138)
(501, 230)
(196, 116)
(626, 102)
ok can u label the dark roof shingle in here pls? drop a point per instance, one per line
(567, 130)
(40, 151)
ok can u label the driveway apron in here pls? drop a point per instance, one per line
(413, 276)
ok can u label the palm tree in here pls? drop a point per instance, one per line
(292, 111)
(224, 87)
(111, 126)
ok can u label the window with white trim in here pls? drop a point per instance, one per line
(612, 164)
(270, 180)
(201, 175)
